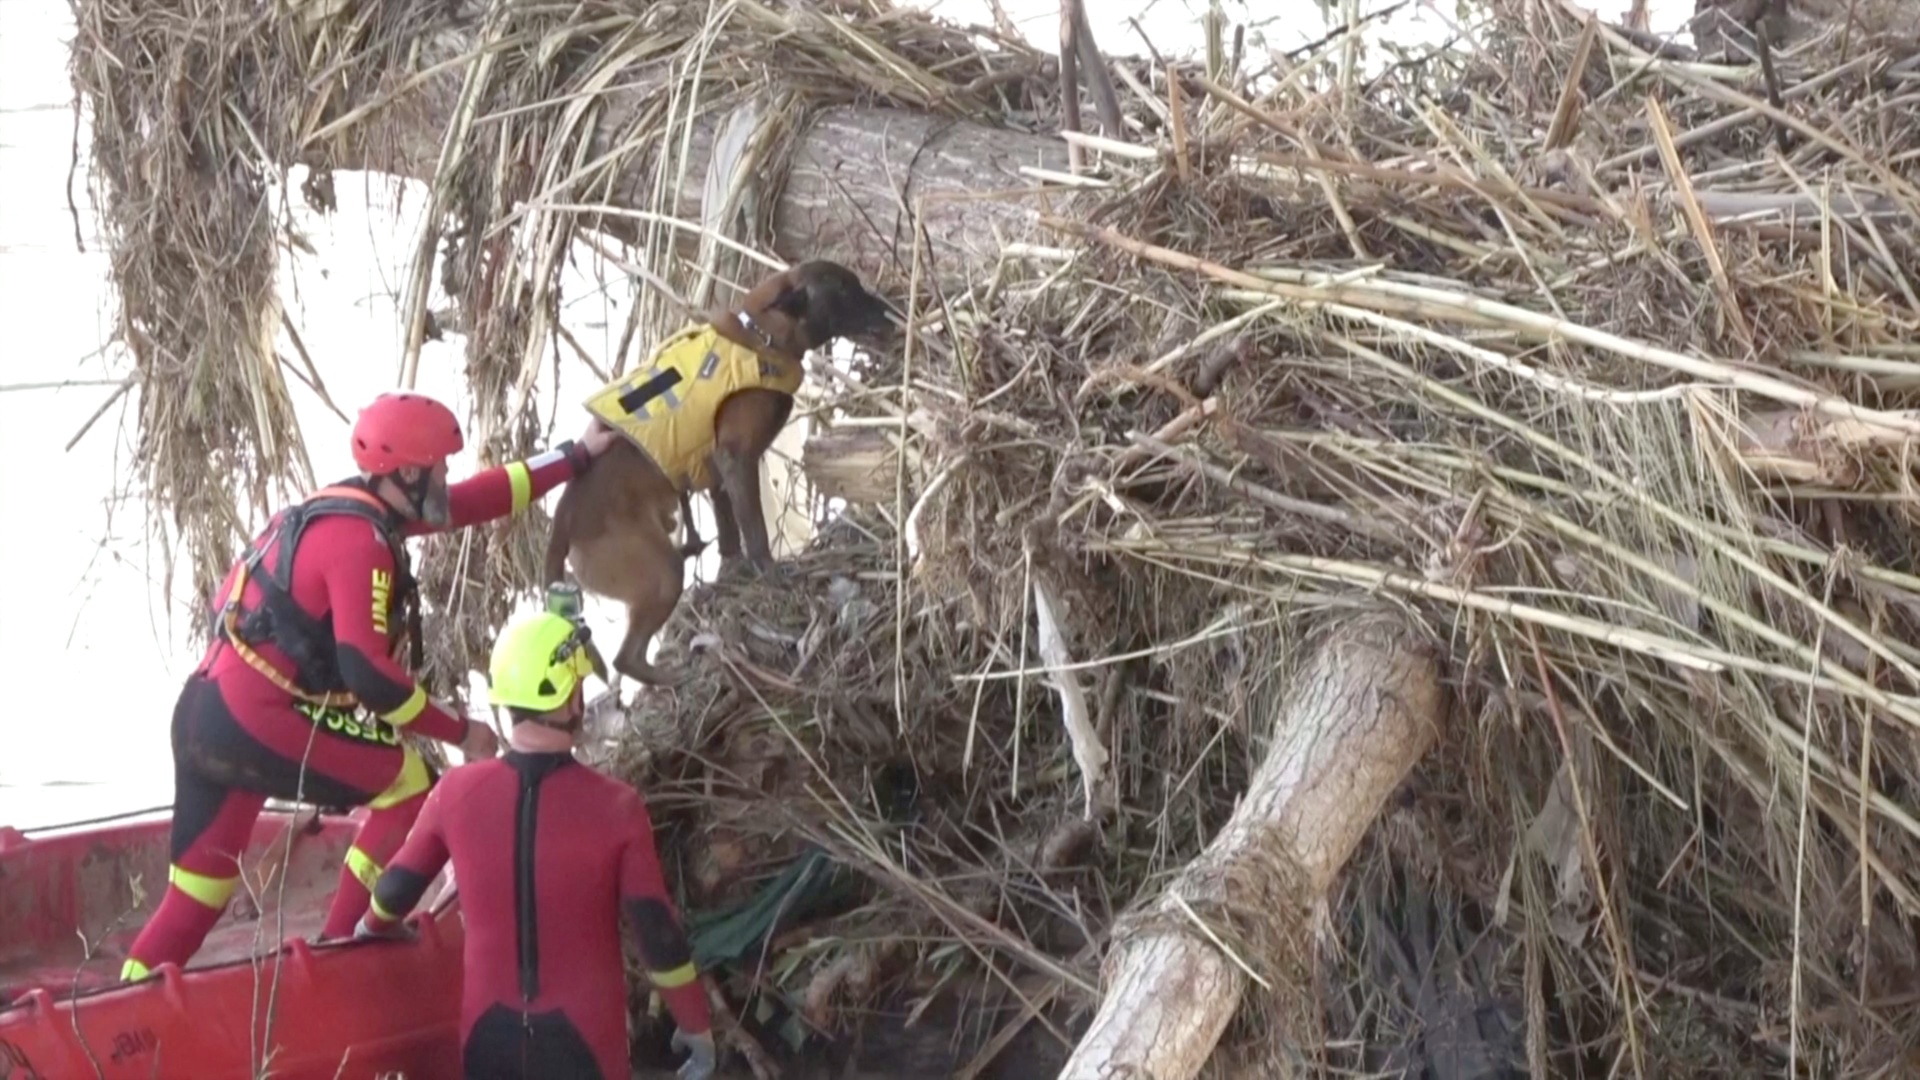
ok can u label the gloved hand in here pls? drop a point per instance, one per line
(700, 1054)
(400, 931)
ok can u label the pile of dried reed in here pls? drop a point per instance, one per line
(1592, 356)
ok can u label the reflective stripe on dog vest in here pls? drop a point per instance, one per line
(669, 404)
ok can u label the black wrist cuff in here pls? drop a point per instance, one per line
(577, 456)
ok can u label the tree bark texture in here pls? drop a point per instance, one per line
(1363, 710)
(851, 181)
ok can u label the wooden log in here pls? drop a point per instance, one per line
(1365, 708)
(860, 465)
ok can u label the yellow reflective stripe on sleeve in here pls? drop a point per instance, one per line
(413, 780)
(520, 479)
(678, 977)
(206, 891)
(409, 710)
(364, 868)
(133, 970)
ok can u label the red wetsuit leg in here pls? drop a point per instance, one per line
(212, 822)
(200, 881)
(380, 836)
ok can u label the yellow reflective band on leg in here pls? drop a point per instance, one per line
(409, 710)
(678, 977)
(363, 867)
(413, 780)
(133, 970)
(207, 891)
(520, 479)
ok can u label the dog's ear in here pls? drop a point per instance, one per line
(791, 302)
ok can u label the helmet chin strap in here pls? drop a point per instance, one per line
(418, 492)
(571, 727)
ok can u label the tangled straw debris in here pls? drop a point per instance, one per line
(1590, 358)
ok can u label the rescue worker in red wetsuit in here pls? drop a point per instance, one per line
(548, 853)
(302, 693)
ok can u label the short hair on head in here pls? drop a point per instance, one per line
(521, 715)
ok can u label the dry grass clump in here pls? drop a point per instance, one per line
(180, 210)
(196, 114)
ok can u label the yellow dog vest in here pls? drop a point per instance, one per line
(668, 405)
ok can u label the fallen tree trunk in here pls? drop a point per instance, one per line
(1362, 711)
(850, 183)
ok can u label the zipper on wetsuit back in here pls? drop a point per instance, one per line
(528, 932)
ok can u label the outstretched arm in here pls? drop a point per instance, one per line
(405, 880)
(359, 576)
(507, 489)
(663, 945)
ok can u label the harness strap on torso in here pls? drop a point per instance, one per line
(280, 615)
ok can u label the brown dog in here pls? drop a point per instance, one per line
(699, 416)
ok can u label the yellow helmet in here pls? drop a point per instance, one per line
(538, 661)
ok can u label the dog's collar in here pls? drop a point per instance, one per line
(750, 326)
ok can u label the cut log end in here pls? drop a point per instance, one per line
(859, 465)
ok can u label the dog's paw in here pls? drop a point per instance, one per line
(653, 677)
(760, 567)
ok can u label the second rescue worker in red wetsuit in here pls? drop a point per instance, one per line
(548, 854)
(302, 690)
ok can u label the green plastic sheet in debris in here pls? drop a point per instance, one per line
(809, 883)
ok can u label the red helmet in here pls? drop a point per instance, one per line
(400, 429)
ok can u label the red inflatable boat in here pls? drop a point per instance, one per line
(257, 1001)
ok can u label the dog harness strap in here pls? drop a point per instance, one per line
(670, 405)
(636, 399)
(752, 326)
